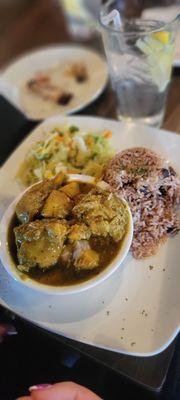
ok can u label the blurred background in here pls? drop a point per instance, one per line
(25, 24)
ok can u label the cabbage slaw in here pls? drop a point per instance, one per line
(66, 149)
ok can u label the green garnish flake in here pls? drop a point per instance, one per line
(136, 170)
(139, 170)
(73, 129)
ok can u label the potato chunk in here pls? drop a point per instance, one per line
(79, 231)
(59, 179)
(88, 259)
(57, 205)
(71, 189)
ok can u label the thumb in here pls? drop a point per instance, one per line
(63, 391)
(24, 398)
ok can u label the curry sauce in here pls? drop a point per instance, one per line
(62, 274)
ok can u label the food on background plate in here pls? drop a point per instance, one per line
(66, 149)
(54, 89)
(152, 189)
(42, 87)
(78, 71)
(48, 85)
(67, 232)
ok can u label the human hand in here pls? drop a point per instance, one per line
(6, 330)
(60, 391)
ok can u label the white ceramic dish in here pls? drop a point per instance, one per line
(11, 268)
(137, 310)
(24, 68)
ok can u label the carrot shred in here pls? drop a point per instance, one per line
(90, 140)
(59, 138)
(107, 134)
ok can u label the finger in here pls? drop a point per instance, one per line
(2, 332)
(64, 391)
(24, 398)
(6, 329)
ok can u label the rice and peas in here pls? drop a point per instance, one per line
(148, 183)
(152, 189)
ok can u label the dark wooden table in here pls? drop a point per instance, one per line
(37, 23)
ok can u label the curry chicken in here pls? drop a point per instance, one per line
(66, 232)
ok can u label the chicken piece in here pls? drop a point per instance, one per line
(103, 212)
(117, 227)
(71, 251)
(57, 205)
(39, 243)
(79, 256)
(79, 231)
(32, 201)
(99, 227)
(79, 246)
(88, 259)
(71, 189)
(42, 86)
(66, 258)
(89, 204)
(96, 204)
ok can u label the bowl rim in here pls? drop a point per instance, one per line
(11, 268)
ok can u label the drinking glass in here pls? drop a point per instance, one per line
(139, 55)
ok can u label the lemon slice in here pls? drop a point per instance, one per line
(75, 8)
(163, 36)
(149, 45)
(159, 51)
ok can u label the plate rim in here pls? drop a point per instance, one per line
(44, 326)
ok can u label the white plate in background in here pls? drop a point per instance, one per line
(23, 68)
(137, 310)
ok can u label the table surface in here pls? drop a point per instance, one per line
(38, 23)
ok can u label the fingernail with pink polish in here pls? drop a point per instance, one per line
(11, 330)
(6, 330)
(40, 386)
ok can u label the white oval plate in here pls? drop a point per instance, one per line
(137, 310)
(13, 77)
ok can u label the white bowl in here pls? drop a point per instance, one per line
(11, 268)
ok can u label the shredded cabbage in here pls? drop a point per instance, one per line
(66, 149)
